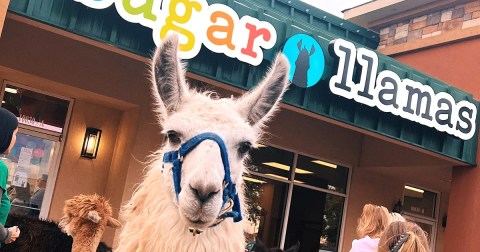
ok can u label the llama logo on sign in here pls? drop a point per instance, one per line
(307, 62)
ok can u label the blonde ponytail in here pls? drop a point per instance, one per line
(403, 237)
(414, 243)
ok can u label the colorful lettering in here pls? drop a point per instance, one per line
(217, 26)
(181, 19)
(145, 9)
(228, 30)
(254, 33)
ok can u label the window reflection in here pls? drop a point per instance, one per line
(317, 226)
(36, 109)
(315, 215)
(28, 165)
(419, 201)
(272, 162)
(321, 174)
(266, 200)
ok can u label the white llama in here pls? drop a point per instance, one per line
(163, 214)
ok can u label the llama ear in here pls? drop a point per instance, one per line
(259, 104)
(114, 223)
(168, 76)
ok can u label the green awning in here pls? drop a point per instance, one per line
(288, 18)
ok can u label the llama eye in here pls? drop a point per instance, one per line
(244, 147)
(173, 137)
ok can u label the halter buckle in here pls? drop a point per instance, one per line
(179, 157)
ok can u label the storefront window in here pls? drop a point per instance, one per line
(28, 164)
(419, 201)
(420, 206)
(272, 162)
(428, 226)
(32, 161)
(315, 219)
(315, 206)
(321, 174)
(266, 200)
(35, 109)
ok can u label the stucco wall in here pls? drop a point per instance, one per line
(111, 91)
(456, 63)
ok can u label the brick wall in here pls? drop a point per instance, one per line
(455, 18)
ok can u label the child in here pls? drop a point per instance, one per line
(8, 136)
(403, 237)
(372, 222)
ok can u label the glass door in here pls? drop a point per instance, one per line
(428, 226)
(33, 163)
(29, 163)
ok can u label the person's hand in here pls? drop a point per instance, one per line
(14, 234)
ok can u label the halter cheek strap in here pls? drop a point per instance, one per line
(229, 191)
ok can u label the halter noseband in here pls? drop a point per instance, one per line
(230, 194)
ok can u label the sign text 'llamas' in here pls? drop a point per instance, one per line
(406, 98)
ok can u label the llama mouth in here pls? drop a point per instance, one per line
(197, 223)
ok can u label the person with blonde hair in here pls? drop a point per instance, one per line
(396, 217)
(372, 222)
(402, 236)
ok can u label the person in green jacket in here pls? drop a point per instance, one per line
(8, 136)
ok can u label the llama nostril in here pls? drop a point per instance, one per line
(204, 194)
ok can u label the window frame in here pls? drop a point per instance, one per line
(291, 183)
(57, 137)
(422, 218)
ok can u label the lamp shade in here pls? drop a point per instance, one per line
(91, 143)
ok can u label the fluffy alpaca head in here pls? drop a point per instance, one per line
(86, 209)
(185, 113)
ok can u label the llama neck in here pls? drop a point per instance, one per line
(153, 223)
(87, 239)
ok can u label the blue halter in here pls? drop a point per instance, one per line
(229, 190)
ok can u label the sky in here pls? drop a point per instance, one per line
(335, 7)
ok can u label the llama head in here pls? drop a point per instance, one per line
(84, 209)
(185, 113)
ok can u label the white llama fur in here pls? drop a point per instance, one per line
(154, 219)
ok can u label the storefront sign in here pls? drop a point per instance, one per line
(217, 26)
(307, 62)
(409, 99)
(385, 90)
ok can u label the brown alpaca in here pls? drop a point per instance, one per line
(84, 219)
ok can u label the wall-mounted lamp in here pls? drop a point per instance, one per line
(91, 143)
